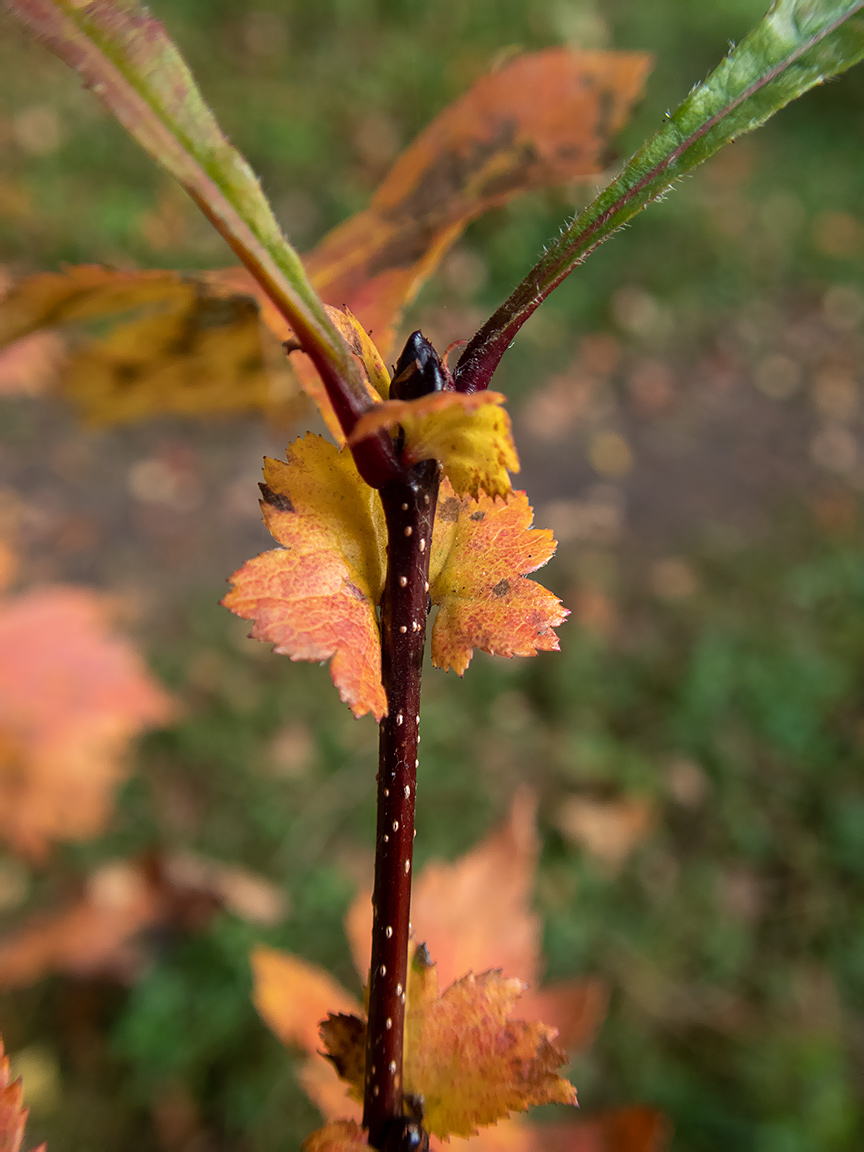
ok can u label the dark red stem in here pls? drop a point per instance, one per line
(409, 510)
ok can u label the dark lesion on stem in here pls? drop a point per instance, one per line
(409, 510)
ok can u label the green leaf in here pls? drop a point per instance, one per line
(128, 60)
(799, 44)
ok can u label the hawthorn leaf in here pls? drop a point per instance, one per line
(493, 882)
(343, 1035)
(465, 1056)
(476, 913)
(486, 148)
(338, 1136)
(467, 1040)
(480, 555)
(470, 435)
(292, 996)
(315, 598)
(130, 62)
(72, 697)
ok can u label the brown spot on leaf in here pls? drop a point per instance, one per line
(478, 515)
(277, 500)
(448, 510)
(501, 588)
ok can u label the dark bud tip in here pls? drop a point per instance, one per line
(404, 1135)
(421, 960)
(418, 370)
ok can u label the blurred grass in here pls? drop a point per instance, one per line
(732, 937)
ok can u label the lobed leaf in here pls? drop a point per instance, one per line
(464, 1055)
(800, 43)
(316, 597)
(470, 435)
(481, 552)
(476, 913)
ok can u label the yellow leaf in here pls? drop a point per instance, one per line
(481, 552)
(469, 434)
(465, 1056)
(363, 347)
(316, 597)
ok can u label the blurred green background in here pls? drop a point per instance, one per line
(690, 425)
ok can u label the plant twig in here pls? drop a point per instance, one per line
(409, 510)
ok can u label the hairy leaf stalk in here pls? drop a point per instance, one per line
(409, 510)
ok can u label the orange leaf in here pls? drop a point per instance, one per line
(31, 365)
(320, 1081)
(543, 118)
(72, 696)
(360, 343)
(292, 996)
(480, 553)
(474, 913)
(464, 1055)
(469, 434)
(339, 1136)
(316, 597)
(481, 151)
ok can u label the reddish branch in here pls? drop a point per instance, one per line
(409, 510)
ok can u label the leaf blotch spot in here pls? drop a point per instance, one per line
(501, 588)
(478, 515)
(277, 500)
(354, 591)
(449, 510)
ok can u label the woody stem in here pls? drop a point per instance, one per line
(409, 510)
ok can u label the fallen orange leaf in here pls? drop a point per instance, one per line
(492, 884)
(72, 697)
(475, 914)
